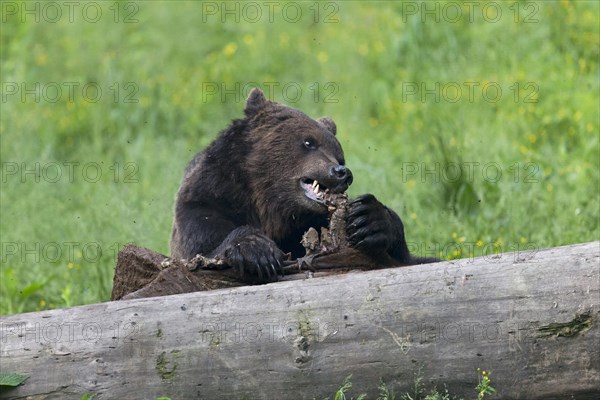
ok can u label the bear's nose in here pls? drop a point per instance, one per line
(341, 174)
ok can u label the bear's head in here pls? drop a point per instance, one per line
(293, 161)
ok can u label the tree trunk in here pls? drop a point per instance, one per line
(531, 318)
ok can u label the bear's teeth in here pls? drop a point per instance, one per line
(316, 189)
(314, 184)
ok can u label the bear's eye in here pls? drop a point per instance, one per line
(310, 143)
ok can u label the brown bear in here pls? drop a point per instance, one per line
(250, 195)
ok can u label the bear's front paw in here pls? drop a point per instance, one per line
(257, 257)
(368, 225)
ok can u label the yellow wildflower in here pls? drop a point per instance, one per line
(363, 49)
(230, 49)
(284, 40)
(322, 57)
(248, 40)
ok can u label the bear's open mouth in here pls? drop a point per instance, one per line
(314, 190)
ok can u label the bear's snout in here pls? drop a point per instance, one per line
(342, 176)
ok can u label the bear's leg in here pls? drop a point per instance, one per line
(257, 257)
(198, 230)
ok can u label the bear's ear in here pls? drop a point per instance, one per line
(328, 124)
(256, 101)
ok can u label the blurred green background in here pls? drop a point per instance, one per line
(477, 124)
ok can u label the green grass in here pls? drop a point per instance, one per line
(418, 391)
(547, 151)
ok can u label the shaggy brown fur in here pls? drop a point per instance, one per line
(249, 196)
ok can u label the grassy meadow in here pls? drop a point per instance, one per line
(478, 125)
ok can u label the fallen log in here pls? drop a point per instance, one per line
(532, 318)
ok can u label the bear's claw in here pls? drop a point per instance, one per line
(257, 257)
